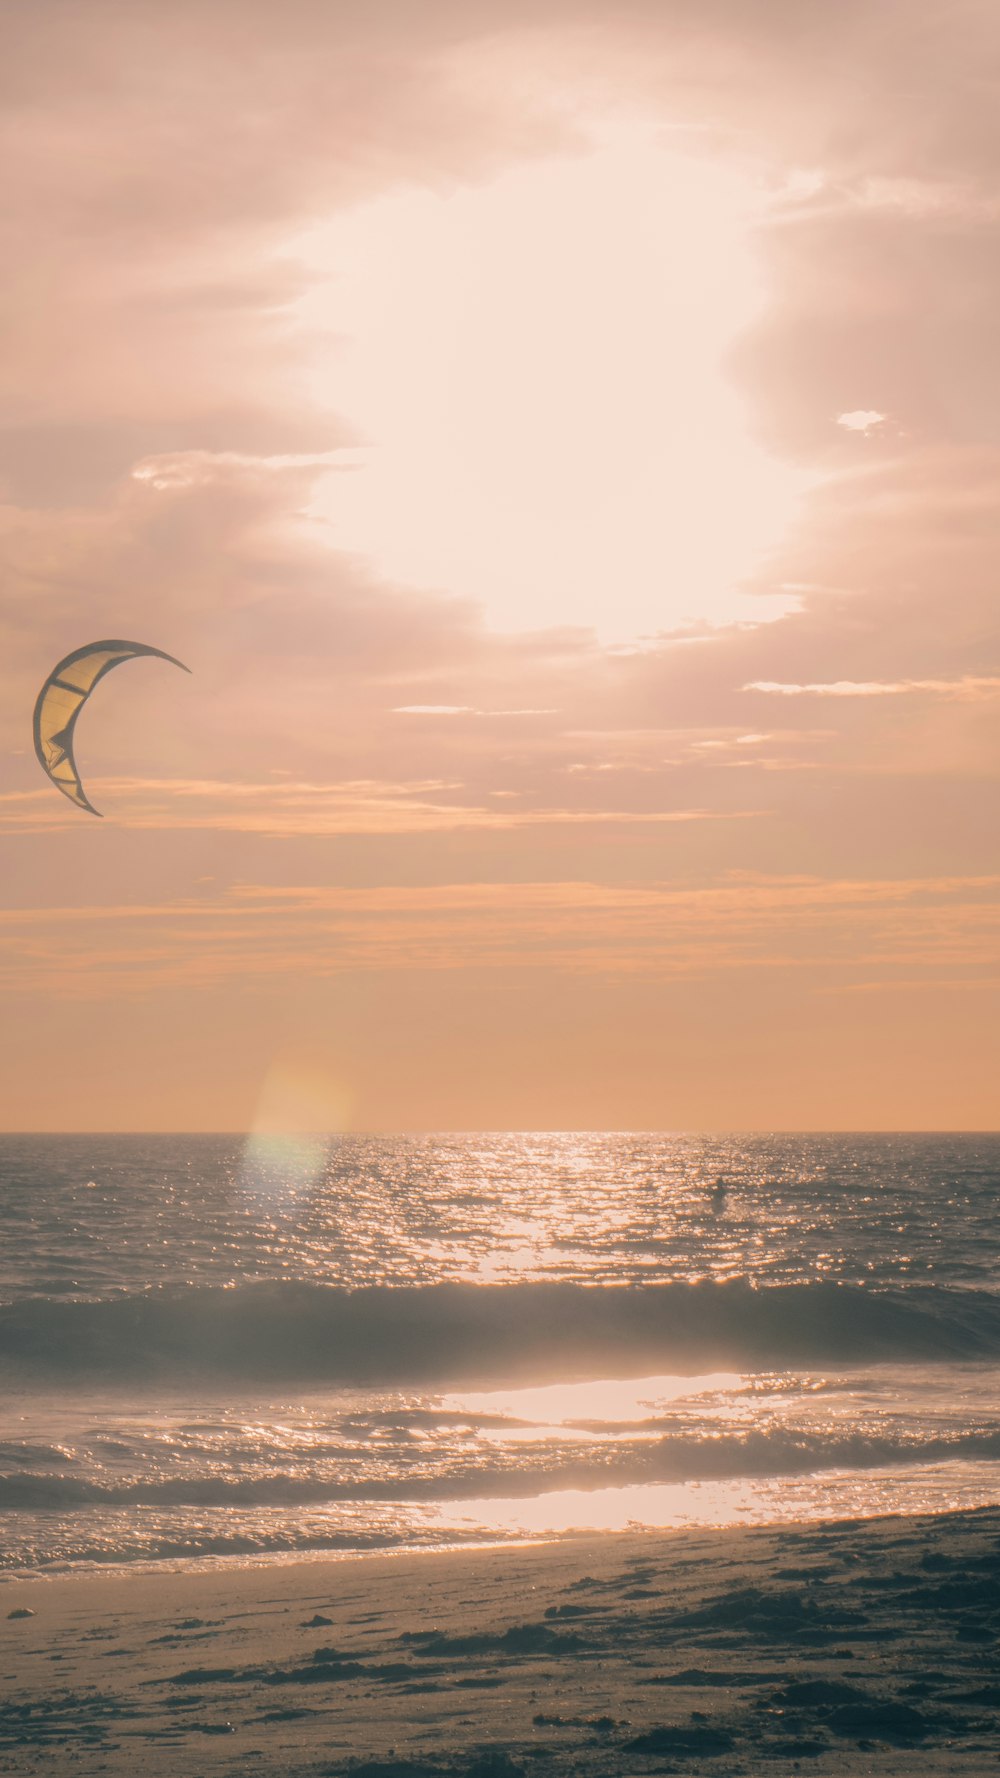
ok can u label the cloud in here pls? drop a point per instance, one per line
(282, 806)
(968, 687)
(193, 469)
(861, 419)
(164, 433)
(928, 929)
(463, 710)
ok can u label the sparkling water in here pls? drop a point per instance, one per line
(213, 1348)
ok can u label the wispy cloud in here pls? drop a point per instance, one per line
(284, 806)
(837, 934)
(464, 710)
(970, 686)
(200, 469)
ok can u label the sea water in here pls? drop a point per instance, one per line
(214, 1348)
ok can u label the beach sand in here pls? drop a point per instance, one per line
(867, 1646)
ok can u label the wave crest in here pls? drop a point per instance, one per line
(458, 1333)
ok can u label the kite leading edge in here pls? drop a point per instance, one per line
(61, 699)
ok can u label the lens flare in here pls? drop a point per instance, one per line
(301, 1108)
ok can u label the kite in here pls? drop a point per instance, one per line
(63, 696)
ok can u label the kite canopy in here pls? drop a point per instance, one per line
(63, 696)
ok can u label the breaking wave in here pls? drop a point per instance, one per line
(387, 1336)
(710, 1457)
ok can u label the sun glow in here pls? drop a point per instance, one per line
(536, 369)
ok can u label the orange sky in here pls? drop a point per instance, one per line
(562, 441)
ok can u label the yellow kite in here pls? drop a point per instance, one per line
(63, 696)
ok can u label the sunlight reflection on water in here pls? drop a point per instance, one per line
(93, 1213)
(837, 1494)
(607, 1399)
(291, 1420)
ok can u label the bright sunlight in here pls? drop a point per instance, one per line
(536, 369)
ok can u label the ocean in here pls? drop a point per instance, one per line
(218, 1349)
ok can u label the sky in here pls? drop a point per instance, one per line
(563, 442)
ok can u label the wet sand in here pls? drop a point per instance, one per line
(862, 1647)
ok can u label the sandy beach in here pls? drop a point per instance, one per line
(863, 1646)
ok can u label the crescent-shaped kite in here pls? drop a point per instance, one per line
(63, 696)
